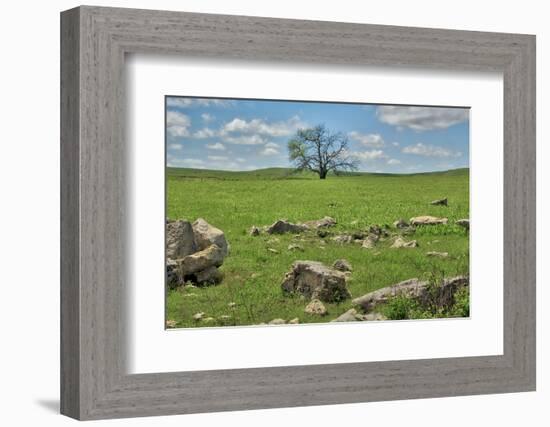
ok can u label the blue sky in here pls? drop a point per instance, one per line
(253, 134)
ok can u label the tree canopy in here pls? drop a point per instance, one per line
(321, 151)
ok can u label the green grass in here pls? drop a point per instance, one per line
(234, 201)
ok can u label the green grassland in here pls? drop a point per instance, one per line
(234, 201)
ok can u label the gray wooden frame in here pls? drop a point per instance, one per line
(94, 41)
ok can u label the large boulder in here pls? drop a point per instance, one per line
(180, 240)
(428, 220)
(194, 252)
(206, 235)
(314, 280)
(422, 291)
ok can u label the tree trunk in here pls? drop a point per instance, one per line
(322, 175)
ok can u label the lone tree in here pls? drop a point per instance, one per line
(319, 150)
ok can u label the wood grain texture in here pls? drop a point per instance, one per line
(94, 272)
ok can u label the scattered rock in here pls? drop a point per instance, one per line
(273, 251)
(342, 265)
(254, 231)
(295, 247)
(232, 304)
(171, 323)
(464, 223)
(343, 238)
(359, 235)
(208, 320)
(198, 316)
(314, 280)
(401, 243)
(428, 220)
(368, 243)
(225, 318)
(325, 222)
(316, 307)
(207, 235)
(378, 231)
(349, 316)
(322, 233)
(277, 322)
(439, 202)
(294, 321)
(437, 254)
(282, 226)
(417, 289)
(400, 223)
(374, 316)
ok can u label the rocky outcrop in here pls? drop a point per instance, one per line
(314, 280)
(316, 307)
(342, 265)
(194, 252)
(400, 223)
(427, 220)
(327, 221)
(442, 294)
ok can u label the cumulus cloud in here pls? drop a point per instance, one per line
(261, 127)
(188, 163)
(206, 118)
(430, 151)
(368, 140)
(370, 155)
(270, 149)
(218, 158)
(217, 146)
(394, 162)
(421, 118)
(204, 133)
(245, 140)
(177, 124)
(174, 147)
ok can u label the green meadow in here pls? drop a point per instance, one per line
(255, 267)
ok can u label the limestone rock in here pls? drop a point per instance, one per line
(343, 238)
(439, 202)
(282, 226)
(465, 222)
(294, 321)
(206, 235)
(277, 322)
(180, 240)
(295, 247)
(437, 254)
(374, 316)
(401, 243)
(254, 231)
(198, 316)
(342, 265)
(427, 220)
(400, 223)
(327, 221)
(314, 280)
(209, 276)
(349, 316)
(417, 289)
(212, 256)
(316, 307)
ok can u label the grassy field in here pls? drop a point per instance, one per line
(234, 201)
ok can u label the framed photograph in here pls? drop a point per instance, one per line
(261, 213)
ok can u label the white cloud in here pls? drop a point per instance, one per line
(245, 140)
(261, 127)
(177, 124)
(188, 163)
(395, 144)
(175, 146)
(394, 162)
(218, 158)
(368, 140)
(217, 146)
(204, 133)
(178, 102)
(207, 117)
(370, 155)
(422, 118)
(240, 159)
(430, 151)
(269, 152)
